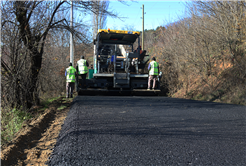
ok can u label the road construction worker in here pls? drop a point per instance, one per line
(82, 69)
(153, 73)
(70, 80)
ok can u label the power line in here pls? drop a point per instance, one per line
(137, 15)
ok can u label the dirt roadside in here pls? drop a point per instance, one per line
(35, 141)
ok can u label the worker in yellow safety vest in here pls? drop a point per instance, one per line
(82, 69)
(70, 80)
(153, 73)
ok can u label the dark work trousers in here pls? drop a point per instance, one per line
(69, 89)
(152, 78)
(83, 77)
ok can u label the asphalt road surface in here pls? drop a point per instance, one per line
(129, 130)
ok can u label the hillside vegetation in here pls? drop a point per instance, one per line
(202, 56)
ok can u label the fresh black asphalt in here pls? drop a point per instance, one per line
(131, 130)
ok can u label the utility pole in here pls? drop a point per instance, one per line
(71, 34)
(143, 28)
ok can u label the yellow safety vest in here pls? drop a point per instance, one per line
(82, 66)
(153, 68)
(71, 74)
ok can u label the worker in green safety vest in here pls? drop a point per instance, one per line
(153, 73)
(70, 79)
(82, 69)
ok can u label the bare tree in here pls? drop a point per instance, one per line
(31, 22)
(99, 16)
(228, 18)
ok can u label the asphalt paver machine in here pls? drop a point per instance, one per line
(117, 67)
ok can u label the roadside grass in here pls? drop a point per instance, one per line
(45, 103)
(61, 107)
(12, 120)
(225, 93)
(11, 123)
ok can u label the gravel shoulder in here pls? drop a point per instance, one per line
(35, 142)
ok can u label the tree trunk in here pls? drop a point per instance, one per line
(36, 61)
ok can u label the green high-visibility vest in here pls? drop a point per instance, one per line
(153, 68)
(71, 74)
(82, 66)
